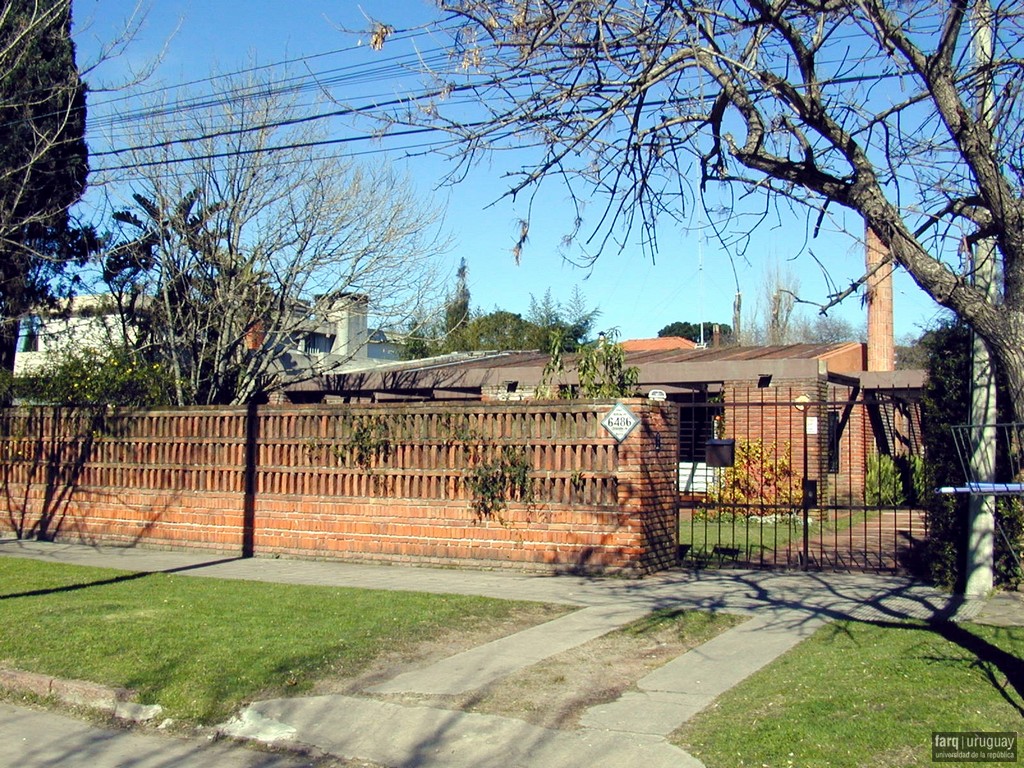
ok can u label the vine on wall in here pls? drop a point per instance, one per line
(371, 441)
(494, 477)
(503, 478)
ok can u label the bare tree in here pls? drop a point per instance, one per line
(821, 105)
(827, 329)
(773, 320)
(244, 236)
(781, 318)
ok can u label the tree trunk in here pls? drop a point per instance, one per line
(1010, 359)
(8, 348)
(8, 345)
(981, 514)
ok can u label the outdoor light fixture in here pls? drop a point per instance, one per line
(764, 381)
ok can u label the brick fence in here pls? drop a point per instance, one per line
(538, 485)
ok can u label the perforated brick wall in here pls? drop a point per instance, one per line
(368, 483)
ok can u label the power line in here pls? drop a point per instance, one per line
(280, 160)
(313, 81)
(379, 70)
(376, 71)
(400, 35)
(406, 100)
(256, 151)
(382, 69)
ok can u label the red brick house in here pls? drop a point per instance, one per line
(817, 399)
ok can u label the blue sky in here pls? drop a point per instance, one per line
(635, 295)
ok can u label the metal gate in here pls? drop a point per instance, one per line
(803, 481)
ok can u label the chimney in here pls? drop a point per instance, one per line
(348, 313)
(255, 335)
(881, 338)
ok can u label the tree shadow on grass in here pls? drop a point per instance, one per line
(1004, 670)
(114, 579)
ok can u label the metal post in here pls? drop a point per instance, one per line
(809, 495)
(252, 435)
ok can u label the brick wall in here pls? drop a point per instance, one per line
(124, 479)
(370, 483)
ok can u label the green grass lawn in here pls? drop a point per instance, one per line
(201, 647)
(865, 695)
(749, 534)
(760, 540)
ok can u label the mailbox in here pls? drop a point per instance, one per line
(719, 452)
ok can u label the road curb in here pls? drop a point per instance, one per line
(118, 702)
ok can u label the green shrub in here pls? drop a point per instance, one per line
(917, 484)
(920, 479)
(6, 387)
(761, 483)
(883, 486)
(95, 377)
(1010, 518)
(601, 369)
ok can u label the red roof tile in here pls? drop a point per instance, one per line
(658, 345)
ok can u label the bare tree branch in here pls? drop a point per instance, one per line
(240, 254)
(867, 105)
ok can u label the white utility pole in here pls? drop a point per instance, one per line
(981, 509)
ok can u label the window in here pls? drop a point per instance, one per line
(316, 344)
(30, 328)
(696, 426)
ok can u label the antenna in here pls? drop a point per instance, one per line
(700, 284)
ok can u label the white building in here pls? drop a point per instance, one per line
(340, 339)
(343, 334)
(84, 322)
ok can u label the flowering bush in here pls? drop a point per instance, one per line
(92, 377)
(761, 482)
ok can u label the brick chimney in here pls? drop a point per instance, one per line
(881, 338)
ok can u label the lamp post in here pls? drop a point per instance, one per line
(808, 486)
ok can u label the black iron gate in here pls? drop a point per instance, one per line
(798, 480)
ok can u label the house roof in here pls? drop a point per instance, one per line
(465, 374)
(660, 343)
(826, 352)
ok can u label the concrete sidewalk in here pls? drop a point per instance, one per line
(782, 609)
(33, 739)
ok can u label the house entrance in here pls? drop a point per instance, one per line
(822, 480)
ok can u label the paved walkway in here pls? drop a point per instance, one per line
(33, 739)
(1005, 609)
(782, 609)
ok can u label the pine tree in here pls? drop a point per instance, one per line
(456, 310)
(44, 159)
